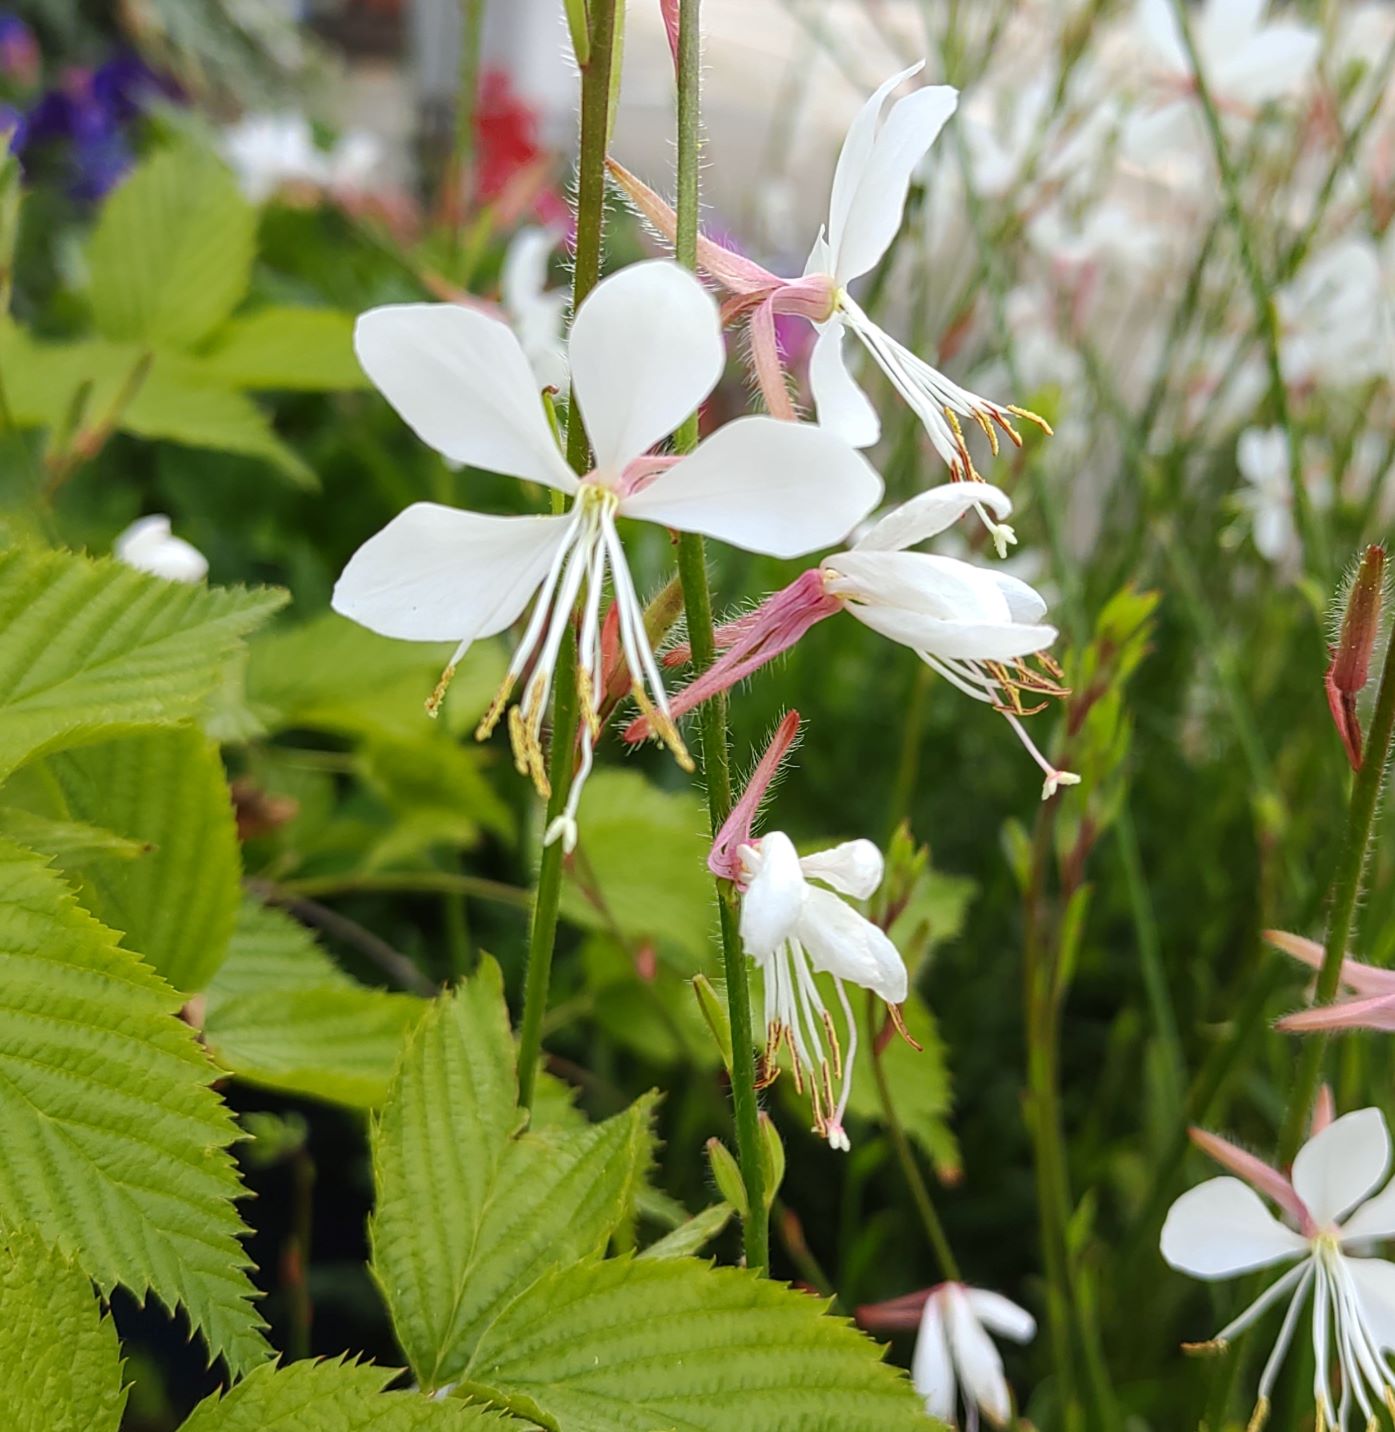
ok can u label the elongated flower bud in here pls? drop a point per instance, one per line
(1350, 667)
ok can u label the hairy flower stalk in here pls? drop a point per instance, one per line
(1332, 1215)
(979, 629)
(1350, 667)
(795, 927)
(870, 185)
(644, 348)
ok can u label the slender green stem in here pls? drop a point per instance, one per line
(905, 1154)
(1265, 311)
(590, 229)
(716, 763)
(1346, 891)
(461, 179)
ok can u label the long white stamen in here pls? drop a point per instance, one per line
(627, 599)
(540, 686)
(1321, 1383)
(541, 605)
(1263, 1303)
(848, 1058)
(1286, 1330)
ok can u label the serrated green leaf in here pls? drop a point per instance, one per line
(179, 402)
(296, 349)
(165, 789)
(666, 897)
(469, 1213)
(71, 843)
(281, 1013)
(89, 648)
(115, 1148)
(172, 251)
(60, 1361)
(332, 1396)
(638, 1345)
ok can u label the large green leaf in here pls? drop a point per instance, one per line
(60, 1362)
(115, 1148)
(89, 648)
(667, 896)
(281, 1013)
(72, 844)
(177, 901)
(299, 349)
(333, 1396)
(470, 1213)
(172, 252)
(637, 1345)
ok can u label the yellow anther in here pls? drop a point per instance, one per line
(1212, 1347)
(899, 1021)
(433, 702)
(1028, 416)
(833, 1045)
(496, 707)
(1259, 1416)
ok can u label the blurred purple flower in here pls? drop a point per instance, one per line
(19, 52)
(89, 113)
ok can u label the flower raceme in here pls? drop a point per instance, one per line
(1373, 988)
(870, 185)
(1333, 1214)
(644, 350)
(953, 1350)
(972, 625)
(795, 926)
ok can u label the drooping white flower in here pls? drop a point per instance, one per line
(1333, 1215)
(645, 349)
(149, 545)
(955, 1358)
(794, 929)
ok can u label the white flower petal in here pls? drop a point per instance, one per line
(771, 903)
(1375, 1285)
(852, 868)
(460, 381)
(980, 1366)
(1373, 1219)
(1229, 25)
(1337, 1168)
(920, 582)
(149, 545)
(1221, 1227)
(930, 513)
(841, 405)
(1001, 1315)
(1025, 603)
(768, 486)
(932, 1368)
(1158, 27)
(438, 574)
(967, 640)
(843, 943)
(1274, 64)
(874, 208)
(645, 350)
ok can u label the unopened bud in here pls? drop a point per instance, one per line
(1350, 667)
(669, 9)
(726, 1173)
(772, 1157)
(714, 1011)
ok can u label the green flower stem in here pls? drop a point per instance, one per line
(1268, 318)
(460, 181)
(716, 763)
(1346, 891)
(590, 227)
(905, 1154)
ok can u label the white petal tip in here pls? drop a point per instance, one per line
(1055, 780)
(563, 829)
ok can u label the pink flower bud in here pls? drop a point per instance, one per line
(1350, 667)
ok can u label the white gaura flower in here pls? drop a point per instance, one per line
(975, 626)
(534, 311)
(645, 349)
(1247, 59)
(794, 929)
(954, 1355)
(1261, 455)
(149, 545)
(1332, 1216)
(868, 198)
(268, 152)
(1333, 317)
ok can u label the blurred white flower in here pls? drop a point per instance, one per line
(1221, 1229)
(1334, 318)
(149, 545)
(534, 311)
(645, 349)
(1262, 457)
(268, 152)
(954, 1355)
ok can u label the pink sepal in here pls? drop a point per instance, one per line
(1258, 1174)
(724, 861)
